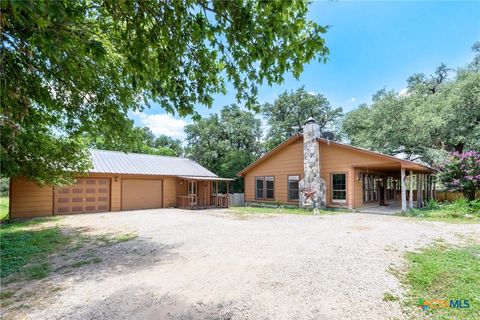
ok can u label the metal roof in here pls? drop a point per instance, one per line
(136, 163)
(206, 178)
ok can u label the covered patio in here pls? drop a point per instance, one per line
(195, 192)
(392, 188)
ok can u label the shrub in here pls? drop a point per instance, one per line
(461, 172)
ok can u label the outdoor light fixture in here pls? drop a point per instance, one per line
(359, 177)
(116, 179)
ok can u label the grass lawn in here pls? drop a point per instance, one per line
(267, 210)
(25, 247)
(444, 273)
(4, 203)
(460, 211)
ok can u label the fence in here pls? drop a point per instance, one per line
(452, 195)
(236, 199)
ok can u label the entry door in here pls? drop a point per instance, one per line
(192, 191)
(86, 195)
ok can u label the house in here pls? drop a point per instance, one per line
(122, 181)
(309, 170)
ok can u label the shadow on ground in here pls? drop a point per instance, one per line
(88, 257)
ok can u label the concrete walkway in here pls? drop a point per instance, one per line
(392, 208)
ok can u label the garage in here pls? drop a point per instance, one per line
(86, 195)
(141, 194)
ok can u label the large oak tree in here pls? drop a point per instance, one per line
(70, 67)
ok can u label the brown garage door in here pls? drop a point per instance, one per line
(86, 195)
(141, 194)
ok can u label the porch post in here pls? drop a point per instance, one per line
(420, 191)
(216, 194)
(404, 193)
(410, 206)
(228, 182)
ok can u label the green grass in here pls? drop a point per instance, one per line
(4, 203)
(85, 262)
(387, 296)
(266, 210)
(460, 211)
(25, 247)
(445, 273)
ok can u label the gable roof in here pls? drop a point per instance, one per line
(146, 164)
(406, 163)
(267, 155)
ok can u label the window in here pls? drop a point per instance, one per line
(293, 187)
(264, 187)
(339, 187)
(259, 188)
(370, 192)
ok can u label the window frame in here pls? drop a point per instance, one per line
(288, 187)
(264, 188)
(339, 201)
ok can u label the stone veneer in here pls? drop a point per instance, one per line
(312, 181)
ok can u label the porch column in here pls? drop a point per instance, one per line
(216, 194)
(228, 182)
(404, 192)
(410, 206)
(420, 191)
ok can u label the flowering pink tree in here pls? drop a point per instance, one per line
(461, 172)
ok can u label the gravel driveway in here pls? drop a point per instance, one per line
(218, 265)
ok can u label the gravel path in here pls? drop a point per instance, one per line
(217, 265)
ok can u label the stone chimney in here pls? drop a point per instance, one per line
(312, 186)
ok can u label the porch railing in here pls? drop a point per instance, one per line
(219, 201)
(193, 202)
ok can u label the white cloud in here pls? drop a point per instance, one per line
(403, 92)
(352, 99)
(163, 124)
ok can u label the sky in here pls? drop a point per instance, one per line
(373, 45)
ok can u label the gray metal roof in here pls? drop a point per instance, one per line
(136, 163)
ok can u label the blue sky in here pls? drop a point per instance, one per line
(373, 45)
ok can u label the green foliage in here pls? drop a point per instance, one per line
(4, 205)
(460, 209)
(78, 66)
(287, 114)
(461, 172)
(4, 186)
(21, 245)
(136, 139)
(445, 273)
(432, 204)
(437, 115)
(225, 143)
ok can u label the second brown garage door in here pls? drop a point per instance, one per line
(141, 194)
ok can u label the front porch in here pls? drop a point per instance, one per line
(202, 192)
(390, 189)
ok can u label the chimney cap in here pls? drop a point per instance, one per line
(310, 120)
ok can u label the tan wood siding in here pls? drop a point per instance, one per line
(27, 199)
(169, 192)
(288, 161)
(142, 194)
(333, 159)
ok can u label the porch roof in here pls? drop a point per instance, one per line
(205, 178)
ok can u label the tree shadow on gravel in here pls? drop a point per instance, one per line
(83, 257)
(143, 302)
